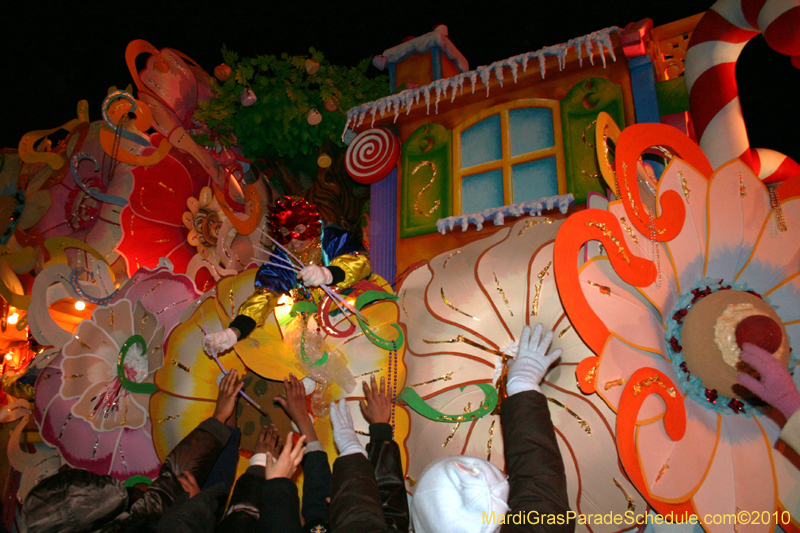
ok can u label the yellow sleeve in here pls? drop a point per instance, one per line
(791, 431)
(259, 305)
(355, 266)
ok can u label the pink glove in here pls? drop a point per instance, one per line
(314, 276)
(776, 386)
(219, 342)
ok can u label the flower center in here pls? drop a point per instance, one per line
(81, 209)
(207, 224)
(706, 332)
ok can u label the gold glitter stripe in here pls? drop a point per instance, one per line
(664, 468)
(637, 388)
(411, 481)
(367, 373)
(564, 331)
(167, 418)
(154, 287)
(686, 189)
(615, 383)
(444, 265)
(425, 188)
(603, 289)
(531, 223)
(451, 306)
(455, 428)
(461, 338)
(502, 293)
(74, 376)
(403, 302)
(631, 504)
(489, 444)
(443, 377)
(82, 343)
(626, 227)
(180, 365)
(583, 423)
(172, 305)
(169, 189)
(538, 289)
(607, 233)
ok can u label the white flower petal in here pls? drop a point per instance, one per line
(777, 253)
(731, 216)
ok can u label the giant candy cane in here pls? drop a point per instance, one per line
(710, 78)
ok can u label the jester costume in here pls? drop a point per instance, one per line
(340, 251)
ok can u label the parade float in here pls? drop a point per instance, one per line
(604, 187)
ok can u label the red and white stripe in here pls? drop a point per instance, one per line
(710, 65)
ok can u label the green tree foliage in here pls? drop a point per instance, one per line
(276, 126)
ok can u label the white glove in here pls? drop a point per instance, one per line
(528, 369)
(219, 342)
(343, 433)
(314, 276)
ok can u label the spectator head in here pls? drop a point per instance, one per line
(454, 493)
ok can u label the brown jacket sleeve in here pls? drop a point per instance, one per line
(355, 501)
(196, 453)
(537, 482)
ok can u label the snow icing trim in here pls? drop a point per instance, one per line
(601, 40)
(498, 214)
(424, 43)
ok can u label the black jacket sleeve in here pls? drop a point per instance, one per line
(197, 453)
(536, 477)
(384, 454)
(355, 500)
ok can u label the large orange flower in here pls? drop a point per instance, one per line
(659, 309)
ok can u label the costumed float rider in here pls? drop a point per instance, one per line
(332, 256)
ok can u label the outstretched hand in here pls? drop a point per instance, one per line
(189, 483)
(295, 406)
(378, 405)
(269, 441)
(528, 369)
(776, 386)
(286, 463)
(229, 388)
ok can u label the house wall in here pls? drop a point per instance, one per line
(530, 84)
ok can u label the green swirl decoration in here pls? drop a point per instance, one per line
(415, 402)
(141, 388)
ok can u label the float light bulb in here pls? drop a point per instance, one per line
(13, 318)
(9, 356)
(80, 306)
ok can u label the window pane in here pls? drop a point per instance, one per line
(534, 179)
(480, 143)
(531, 129)
(481, 191)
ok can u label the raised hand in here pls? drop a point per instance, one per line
(343, 433)
(220, 341)
(286, 463)
(528, 369)
(296, 407)
(229, 388)
(378, 405)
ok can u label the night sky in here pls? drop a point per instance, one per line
(57, 53)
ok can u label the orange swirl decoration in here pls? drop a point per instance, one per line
(640, 385)
(631, 143)
(584, 226)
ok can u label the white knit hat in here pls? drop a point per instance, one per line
(454, 492)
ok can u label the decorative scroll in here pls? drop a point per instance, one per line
(415, 402)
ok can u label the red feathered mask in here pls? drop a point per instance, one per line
(287, 214)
